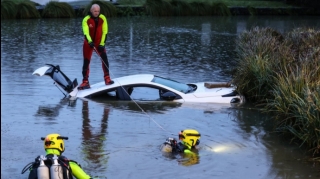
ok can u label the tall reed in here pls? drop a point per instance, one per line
(185, 8)
(181, 8)
(221, 9)
(8, 9)
(20, 9)
(282, 74)
(257, 50)
(201, 8)
(55, 9)
(159, 8)
(27, 10)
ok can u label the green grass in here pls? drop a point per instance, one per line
(281, 73)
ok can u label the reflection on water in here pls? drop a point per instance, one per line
(50, 112)
(138, 106)
(94, 138)
(184, 159)
(189, 159)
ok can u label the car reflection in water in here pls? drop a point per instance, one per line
(137, 106)
(50, 112)
(93, 143)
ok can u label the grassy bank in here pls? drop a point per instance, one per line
(229, 3)
(19, 9)
(281, 74)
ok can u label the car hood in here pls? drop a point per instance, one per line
(202, 91)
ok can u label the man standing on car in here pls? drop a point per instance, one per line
(95, 30)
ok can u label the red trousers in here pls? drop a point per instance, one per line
(87, 54)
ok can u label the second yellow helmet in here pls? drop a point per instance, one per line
(190, 137)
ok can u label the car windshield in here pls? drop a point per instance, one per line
(184, 88)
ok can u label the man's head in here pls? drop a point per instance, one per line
(54, 141)
(95, 10)
(190, 137)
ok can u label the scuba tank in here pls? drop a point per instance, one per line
(43, 170)
(56, 169)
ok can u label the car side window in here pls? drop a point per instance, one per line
(139, 93)
(145, 94)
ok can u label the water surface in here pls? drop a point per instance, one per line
(118, 139)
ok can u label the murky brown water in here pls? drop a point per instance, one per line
(117, 139)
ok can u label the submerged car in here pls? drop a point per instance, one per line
(145, 87)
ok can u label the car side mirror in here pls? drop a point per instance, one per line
(168, 96)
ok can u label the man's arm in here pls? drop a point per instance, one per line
(77, 171)
(104, 30)
(85, 28)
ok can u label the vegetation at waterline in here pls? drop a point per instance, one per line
(229, 3)
(11, 9)
(281, 74)
(19, 9)
(55, 9)
(183, 8)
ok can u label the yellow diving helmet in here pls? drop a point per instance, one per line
(190, 137)
(54, 141)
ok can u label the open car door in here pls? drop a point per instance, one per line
(58, 77)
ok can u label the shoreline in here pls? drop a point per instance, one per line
(235, 11)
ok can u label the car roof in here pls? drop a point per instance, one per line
(133, 79)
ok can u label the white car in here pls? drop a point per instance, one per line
(145, 87)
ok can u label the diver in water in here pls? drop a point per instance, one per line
(54, 165)
(189, 139)
(186, 149)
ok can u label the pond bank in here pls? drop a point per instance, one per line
(123, 10)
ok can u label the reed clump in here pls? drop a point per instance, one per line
(19, 9)
(55, 9)
(27, 10)
(281, 73)
(181, 8)
(220, 9)
(185, 8)
(58, 9)
(8, 9)
(159, 8)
